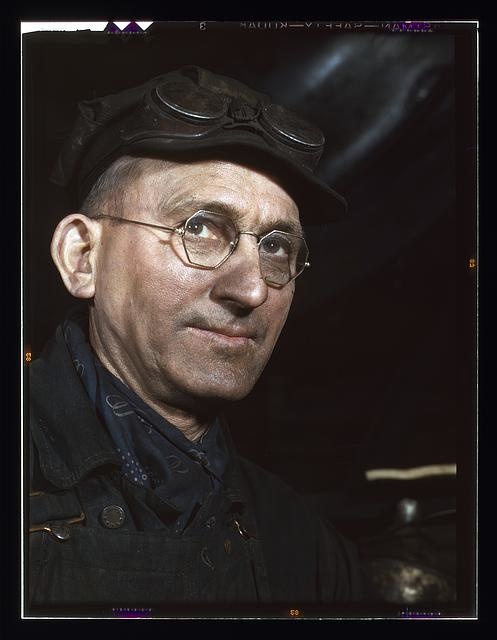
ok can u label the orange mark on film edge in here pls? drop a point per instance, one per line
(472, 263)
(27, 356)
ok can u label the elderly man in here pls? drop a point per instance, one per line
(185, 246)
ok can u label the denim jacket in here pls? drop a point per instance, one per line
(254, 542)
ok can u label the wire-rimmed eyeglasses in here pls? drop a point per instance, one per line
(210, 238)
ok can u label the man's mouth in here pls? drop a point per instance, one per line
(229, 335)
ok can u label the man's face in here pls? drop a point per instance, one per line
(176, 332)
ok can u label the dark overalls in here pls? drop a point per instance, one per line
(84, 548)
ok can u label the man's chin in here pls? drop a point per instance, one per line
(216, 391)
(206, 402)
(220, 395)
(195, 384)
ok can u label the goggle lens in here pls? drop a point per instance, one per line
(187, 100)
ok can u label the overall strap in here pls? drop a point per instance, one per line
(51, 509)
(245, 524)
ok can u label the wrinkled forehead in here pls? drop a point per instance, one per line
(250, 195)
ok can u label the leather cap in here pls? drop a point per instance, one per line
(190, 113)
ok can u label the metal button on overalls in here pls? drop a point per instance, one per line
(60, 530)
(113, 516)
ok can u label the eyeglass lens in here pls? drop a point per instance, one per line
(209, 238)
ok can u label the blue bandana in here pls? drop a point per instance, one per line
(154, 453)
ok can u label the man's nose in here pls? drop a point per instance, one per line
(239, 279)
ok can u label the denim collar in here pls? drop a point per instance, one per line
(69, 437)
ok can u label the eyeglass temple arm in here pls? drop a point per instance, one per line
(143, 224)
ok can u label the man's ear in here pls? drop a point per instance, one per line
(74, 249)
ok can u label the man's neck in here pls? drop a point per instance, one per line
(192, 425)
(189, 424)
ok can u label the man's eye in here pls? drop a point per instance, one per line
(200, 229)
(277, 247)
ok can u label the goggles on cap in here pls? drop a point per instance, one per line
(202, 112)
(195, 110)
(176, 110)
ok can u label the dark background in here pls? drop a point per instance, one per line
(376, 366)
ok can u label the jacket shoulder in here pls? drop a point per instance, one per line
(272, 498)
(301, 548)
(267, 487)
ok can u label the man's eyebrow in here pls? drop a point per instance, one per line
(190, 205)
